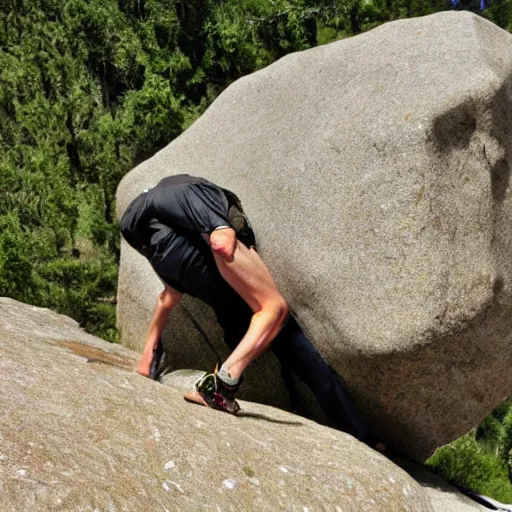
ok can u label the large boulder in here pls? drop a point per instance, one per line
(375, 171)
(81, 431)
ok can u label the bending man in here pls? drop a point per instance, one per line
(197, 239)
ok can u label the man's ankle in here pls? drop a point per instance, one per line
(226, 377)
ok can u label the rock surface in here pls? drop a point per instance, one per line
(375, 171)
(80, 431)
(443, 496)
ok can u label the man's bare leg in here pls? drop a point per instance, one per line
(245, 271)
(248, 275)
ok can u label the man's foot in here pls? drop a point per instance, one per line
(213, 392)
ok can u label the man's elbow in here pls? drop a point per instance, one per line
(167, 300)
(223, 242)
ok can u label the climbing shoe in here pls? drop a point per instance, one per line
(216, 394)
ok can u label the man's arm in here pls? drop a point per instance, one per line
(165, 303)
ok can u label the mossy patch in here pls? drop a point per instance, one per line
(249, 471)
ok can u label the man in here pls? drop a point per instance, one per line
(198, 241)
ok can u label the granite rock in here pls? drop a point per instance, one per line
(81, 431)
(375, 171)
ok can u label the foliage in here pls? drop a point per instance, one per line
(88, 89)
(482, 459)
(467, 465)
(82, 290)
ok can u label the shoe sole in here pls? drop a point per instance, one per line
(195, 397)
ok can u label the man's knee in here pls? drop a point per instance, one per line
(280, 308)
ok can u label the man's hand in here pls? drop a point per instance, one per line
(144, 367)
(223, 242)
(165, 303)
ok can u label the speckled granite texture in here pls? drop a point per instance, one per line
(81, 431)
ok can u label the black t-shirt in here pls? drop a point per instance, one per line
(168, 224)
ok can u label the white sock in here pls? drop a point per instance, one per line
(226, 377)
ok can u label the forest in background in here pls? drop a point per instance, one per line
(90, 88)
